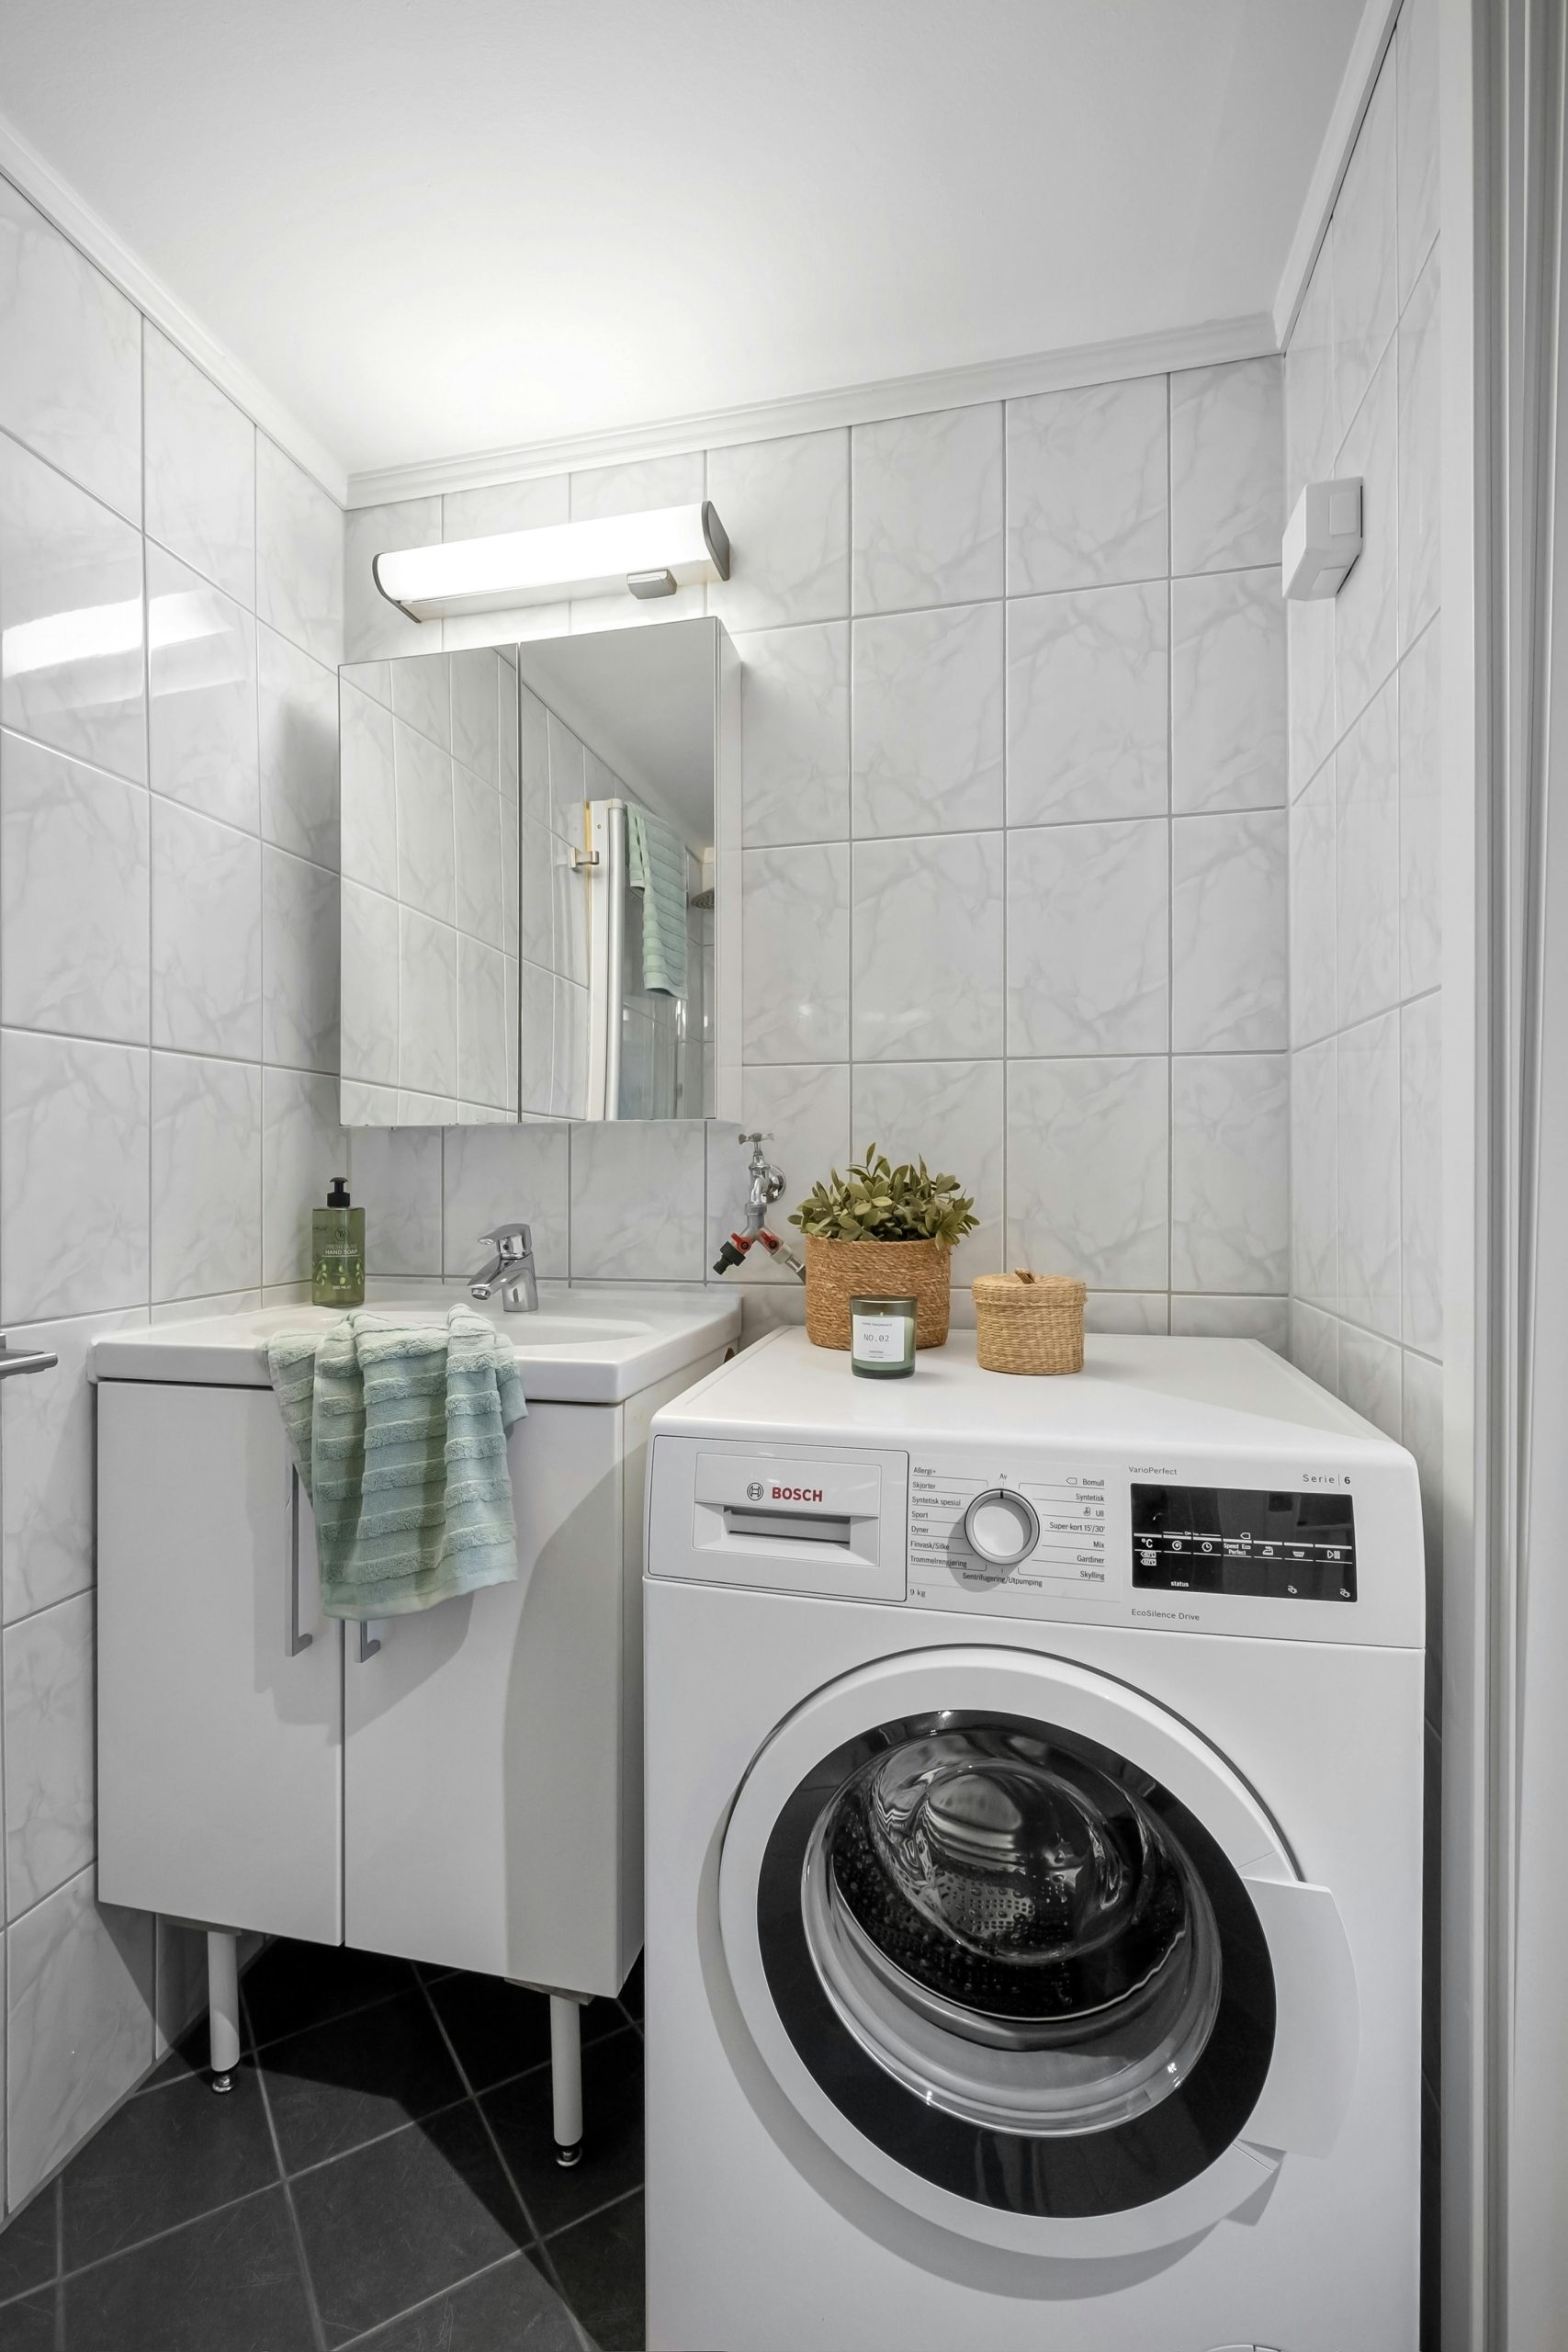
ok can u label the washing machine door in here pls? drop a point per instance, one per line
(1028, 1954)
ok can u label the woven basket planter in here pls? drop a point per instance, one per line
(836, 1271)
(1029, 1323)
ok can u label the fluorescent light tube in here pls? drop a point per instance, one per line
(688, 543)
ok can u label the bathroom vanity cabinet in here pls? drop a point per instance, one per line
(463, 1786)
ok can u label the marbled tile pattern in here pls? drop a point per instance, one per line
(1086, 500)
(927, 510)
(1088, 939)
(928, 721)
(928, 980)
(201, 470)
(1227, 470)
(795, 719)
(70, 358)
(201, 670)
(1088, 687)
(1228, 691)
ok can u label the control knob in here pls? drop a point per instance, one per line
(1000, 1527)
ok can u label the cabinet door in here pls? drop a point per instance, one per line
(482, 1759)
(220, 1723)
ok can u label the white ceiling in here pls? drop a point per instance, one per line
(437, 229)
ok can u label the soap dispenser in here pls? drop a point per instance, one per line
(338, 1250)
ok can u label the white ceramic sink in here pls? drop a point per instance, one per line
(589, 1347)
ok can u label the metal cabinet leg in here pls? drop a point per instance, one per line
(565, 2077)
(223, 2005)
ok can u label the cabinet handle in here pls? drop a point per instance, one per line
(369, 1642)
(296, 1641)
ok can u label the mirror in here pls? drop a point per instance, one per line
(531, 870)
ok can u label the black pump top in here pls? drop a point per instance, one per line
(337, 1195)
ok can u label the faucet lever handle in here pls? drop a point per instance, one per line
(512, 1240)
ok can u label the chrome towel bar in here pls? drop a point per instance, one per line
(24, 1360)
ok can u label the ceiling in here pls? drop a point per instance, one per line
(437, 230)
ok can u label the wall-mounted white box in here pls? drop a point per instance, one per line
(1322, 538)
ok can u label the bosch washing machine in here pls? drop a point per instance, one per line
(1033, 1800)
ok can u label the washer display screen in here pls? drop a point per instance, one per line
(1267, 1545)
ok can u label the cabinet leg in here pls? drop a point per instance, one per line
(223, 2006)
(565, 2077)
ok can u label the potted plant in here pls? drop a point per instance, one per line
(885, 1232)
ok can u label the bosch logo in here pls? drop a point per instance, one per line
(797, 1494)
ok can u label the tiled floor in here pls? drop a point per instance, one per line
(382, 2175)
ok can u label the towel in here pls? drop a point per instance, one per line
(399, 1433)
(656, 864)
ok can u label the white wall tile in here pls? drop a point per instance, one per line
(1421, 1155)
(569, 1051)
(1420, 817)
(928, 729)
(794, 687)
(533, 756)
(1088, 683)
(373, 627)
(74, 897)
(48, 1432)
(79, 1988)
(1268, 1320)
(1314, 1344)
(207, 936)
(1314, 988)
(1370, 1379)
(71, 619)
(475, 710)
(1088, 1145)
(303, 1148)
(72, 1176)
(804, 1112)
(297, 701)
(1228, 744)
(426, 852)
(505, 506)
(480, 899)
(635, 486)
(952, 1115)
(1088, 939)
(501, 1175)
(1228, 925)
(1311, 431)
(1314, 1174)
(796, 955)
(1135, 1314)
(1415, 62)
(1229, 1174)
(482, 1021)
(927, 948)
(201, 713)
(427, 989)
(48, 1751)
(1226, 466)
(928, 509)
(70, 357)
(207, 1176)
(569, 780)
(421, 696)
(535, 857)
(300, 963)
(1309, 641)
(1368, 860)
(535, 1040)
(299, 556)
(785, 505)
(369, 801)
(639, 1201)
(1369, 1206)
(1420, 456)
(1366, 610)
(569, 919)
(200, 470)
(369, 987)
(1087, 486)
(1365, 238)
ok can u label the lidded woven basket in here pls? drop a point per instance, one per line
(1029, 1323)
(836, 1271)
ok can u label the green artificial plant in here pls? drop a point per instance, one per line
(876, 1202)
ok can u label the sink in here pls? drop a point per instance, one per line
(596, 1346)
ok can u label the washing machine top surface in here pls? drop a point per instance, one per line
(1186, 1485)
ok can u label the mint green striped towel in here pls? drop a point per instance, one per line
(656, 864)
(399, 1433)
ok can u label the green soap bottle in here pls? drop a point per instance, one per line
(337, 1250)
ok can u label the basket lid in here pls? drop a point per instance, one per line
(1029, 1291)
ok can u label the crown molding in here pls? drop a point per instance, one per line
(1092, 362)
(21, 163)
(1362, 67)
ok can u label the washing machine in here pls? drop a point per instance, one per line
(1034, 1858)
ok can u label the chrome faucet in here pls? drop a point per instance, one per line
(511, 1268)
(766, 1183)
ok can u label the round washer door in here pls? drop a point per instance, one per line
(1027, 1954)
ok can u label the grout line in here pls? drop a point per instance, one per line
(156, 2237)
(518, 2253)
(534, 2231)
(594, 2213)
(311, 2306)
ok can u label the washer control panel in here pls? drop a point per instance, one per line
(1042, 1533)
(1263, 1544)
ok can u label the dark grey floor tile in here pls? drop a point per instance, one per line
(631, 1990)
(404, 2219)
(611, 2133)
(165, 2157)
(192, 2054)
(602, 2267)
(498, 2029)
(340, 2084)
(29, 2245)
(293, 1985)
(512, 2308)
(28, 2324)
(229, 2281)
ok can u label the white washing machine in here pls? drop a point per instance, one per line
(1033, 1860)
